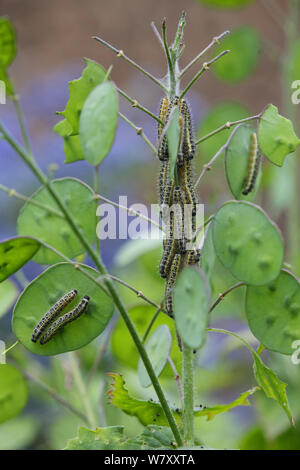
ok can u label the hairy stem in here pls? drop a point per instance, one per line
(188, 395)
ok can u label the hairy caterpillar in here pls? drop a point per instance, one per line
(52, 313)
(163, 179)
(175, 267)
(66, 318)
(253, 165)
(188, 139)
(186, 180)
(169, 248)
(178, 204)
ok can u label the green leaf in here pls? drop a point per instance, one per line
(42, 293)
(8, 295)
(9, 90)
(208, 255)
(271, 385)
(244, 45)
(149, 412)
(173, 137)
(266, 378)
(113, 438)
(273, 313)
(247, 243)
(158, 348)
(80, 89)
(53, 229)
(13, 392)
(191, 306)
(215, 118)
(14, 253)
(213, 411)
(8, 43)
(98, 123)
(276, 136)
(72, 144)
(237, 162)
(19, 433)
(225, 3)
(141, 316)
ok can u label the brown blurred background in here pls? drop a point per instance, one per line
(53, 34)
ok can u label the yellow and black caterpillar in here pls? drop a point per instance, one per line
(65, 319)
(54, 311)
(253, 165)
(173, 198)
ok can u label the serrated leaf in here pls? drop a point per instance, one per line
(149, 412)
(14, 253)
(158, 348)
(113, 438)
(276, 136)
(272, 386)
(191, 306)
(80, 89)
(213, 411)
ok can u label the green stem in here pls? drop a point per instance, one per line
(121, 54)
(139, 131)
(136, 104)
(108, 282)
(227, 126)
(16, 101)
(188, 395)
(204, 68)
(82, 389)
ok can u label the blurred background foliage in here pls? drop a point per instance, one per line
(53, 38)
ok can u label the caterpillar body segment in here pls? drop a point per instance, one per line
(253, 165)
(193, 257)
(54, 311)
(175, 268)
(178, 207)
(163, 179)
(164, 104)
(65, 319)
(188, 138)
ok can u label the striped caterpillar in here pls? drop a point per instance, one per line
(193, 257)
(65, 319)
(253, 165)
(52, 314)
(175, 268)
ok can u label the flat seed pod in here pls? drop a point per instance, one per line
(158, 348)
(14, 253)
(273, 312)
(13, 392)
(52, 228)
(247, 243)
(40, 295)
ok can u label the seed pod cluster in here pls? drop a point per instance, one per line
(178, 202)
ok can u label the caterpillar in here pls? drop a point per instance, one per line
(175, 267)
(253, 165)
(188, 139)
(169, 249)
(163, 179)
(53, 313)
(193, 257)
(186, 180)
(179, 219)
(164, 114)
(66, 318)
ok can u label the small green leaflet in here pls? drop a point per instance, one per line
(8, 51)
